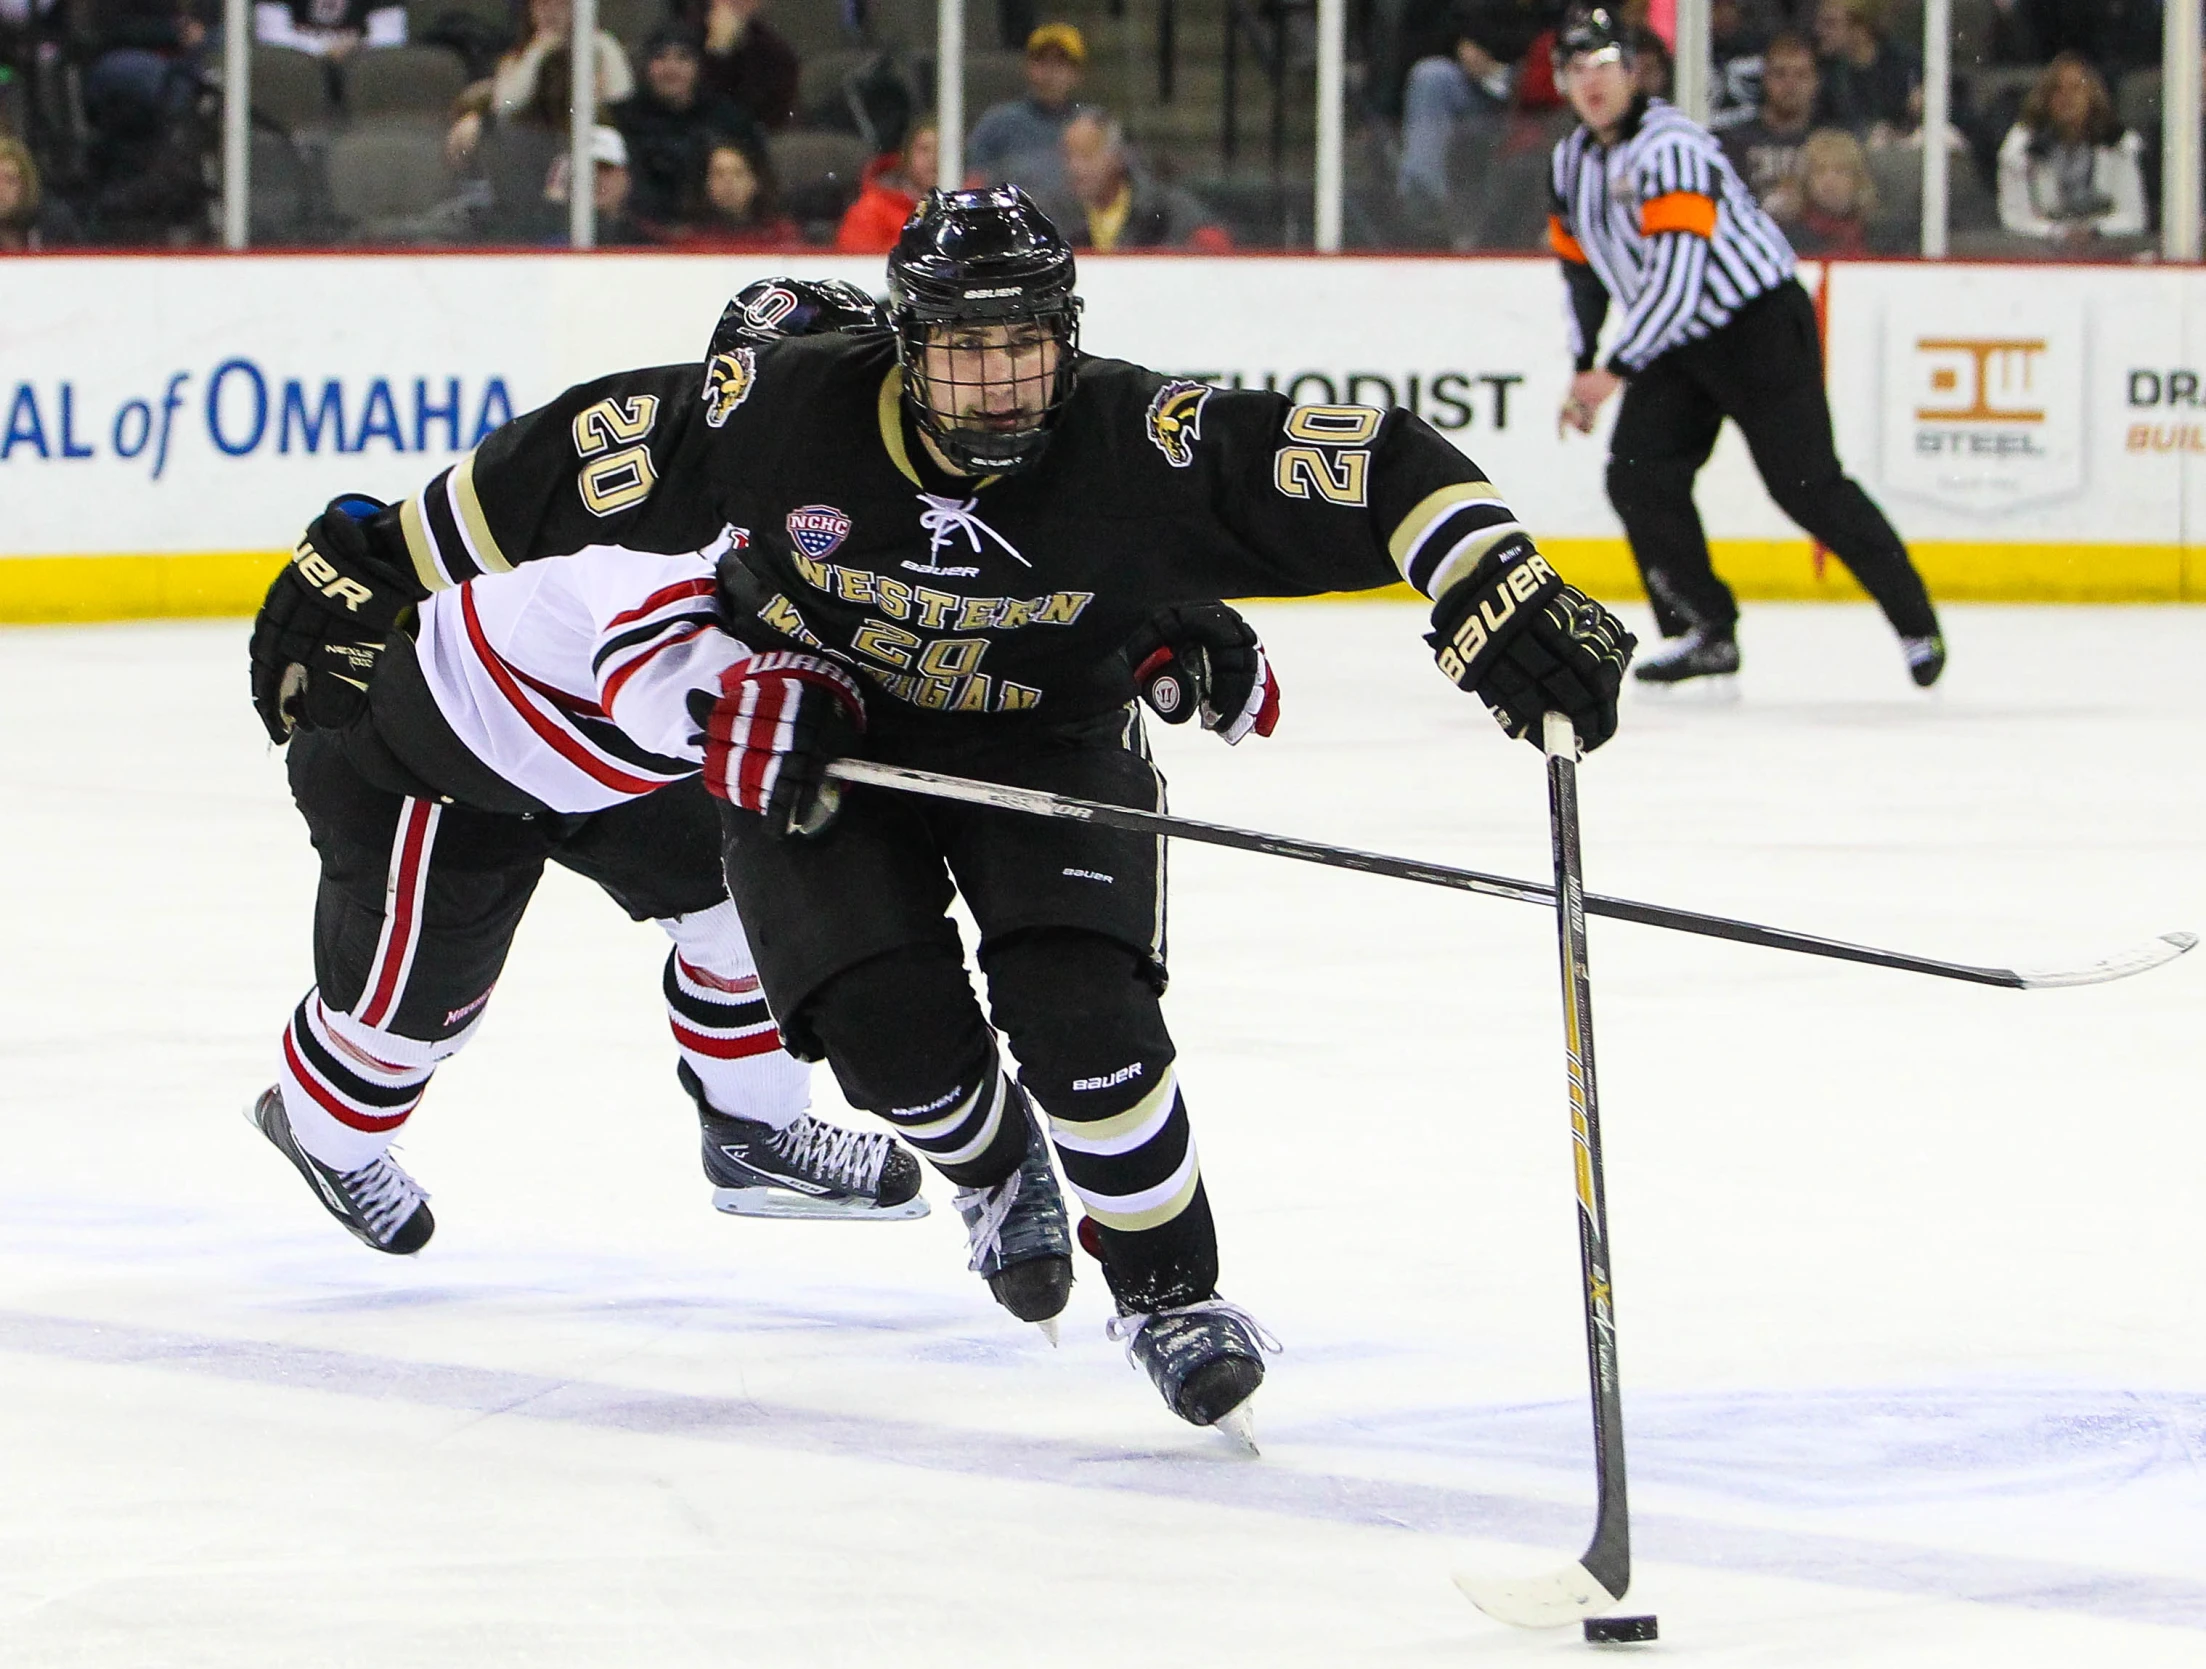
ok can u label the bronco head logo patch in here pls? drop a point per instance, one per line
(729, 380)
(1176, 421)
(817, 529)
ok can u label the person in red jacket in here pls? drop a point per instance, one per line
(893, 186)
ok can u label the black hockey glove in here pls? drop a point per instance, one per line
(1204, 658)
(768, 731)
(324, 622)
(1523, 642)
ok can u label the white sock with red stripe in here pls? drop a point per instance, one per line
(348, 1087)
(721, 1023)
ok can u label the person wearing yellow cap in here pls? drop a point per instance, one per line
(1017, 141)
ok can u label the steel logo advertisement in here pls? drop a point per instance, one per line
(1985, 419)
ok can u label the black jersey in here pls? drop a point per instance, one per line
(966, 599)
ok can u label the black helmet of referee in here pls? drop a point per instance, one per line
(986, 281)
(1591, 30)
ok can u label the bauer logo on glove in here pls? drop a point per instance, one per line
(1513, 634)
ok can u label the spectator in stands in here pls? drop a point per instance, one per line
(1110, 204)
(1736, 43)
(611, 185)
(746, 62)
(892, 189)
(1018, 139)
(1468, 85)
(29, 220)
(1766, 150)
(512, 86)
(2067, 169)
(333, 29)
(147, 163)
(1871, 85)
(736, 205)
(1830, 199)
(671, 126)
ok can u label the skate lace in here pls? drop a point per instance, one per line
(848, 1158)
(944, 516)
(383, 1194)
(984, 1233)
(1125, 1329)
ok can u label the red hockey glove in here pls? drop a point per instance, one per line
(1524, 642)
(769, 731)
(1203, 657)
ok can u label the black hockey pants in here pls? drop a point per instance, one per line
(866, 970)
(1764, 371)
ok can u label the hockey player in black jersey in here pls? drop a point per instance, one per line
(940, 543)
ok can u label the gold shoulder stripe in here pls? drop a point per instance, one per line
(419, 548)
(1410, 534)
(891, 407)
(470, 508)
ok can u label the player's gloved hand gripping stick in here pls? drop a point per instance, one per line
(768, 732)
(1204, 658)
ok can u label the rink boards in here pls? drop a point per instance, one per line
(172, 421)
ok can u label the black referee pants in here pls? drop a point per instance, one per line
(1764, 371)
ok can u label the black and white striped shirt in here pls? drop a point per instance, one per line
(1660, 222)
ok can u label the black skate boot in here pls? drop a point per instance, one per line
(1207, 1358)
(1926, 658)
(1020, 1242)
(381, 1205)
(1700, 653)
(811, 1169)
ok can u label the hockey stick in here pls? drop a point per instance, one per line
(1035, 803)
(1604, 1571)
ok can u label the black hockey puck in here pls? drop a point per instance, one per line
(1611, 1631)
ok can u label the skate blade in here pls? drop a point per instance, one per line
(1710, 689)
(1049, 1330)
(793, 1207)
(1240, 1425)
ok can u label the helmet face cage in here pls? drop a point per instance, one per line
(987, 326)
(960, 371)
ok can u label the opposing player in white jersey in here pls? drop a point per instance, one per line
(488, 741)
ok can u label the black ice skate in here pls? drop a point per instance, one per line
(1926, 658)
(381, 1205)
(1700, 653)
(1206, 1358)
(1020, 1243)
(811, 1169)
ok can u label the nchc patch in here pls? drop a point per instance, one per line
(817, 529)
(1176, 421)
(729, 380)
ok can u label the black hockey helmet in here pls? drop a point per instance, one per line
(772, 308)
(976, 259)
(1591, 30)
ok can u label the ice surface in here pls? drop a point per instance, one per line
(1907, 1272)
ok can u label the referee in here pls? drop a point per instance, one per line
(1648, 211)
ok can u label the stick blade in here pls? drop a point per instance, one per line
(1553, 1600)
(2143, 958)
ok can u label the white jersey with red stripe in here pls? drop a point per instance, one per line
(571, 679)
